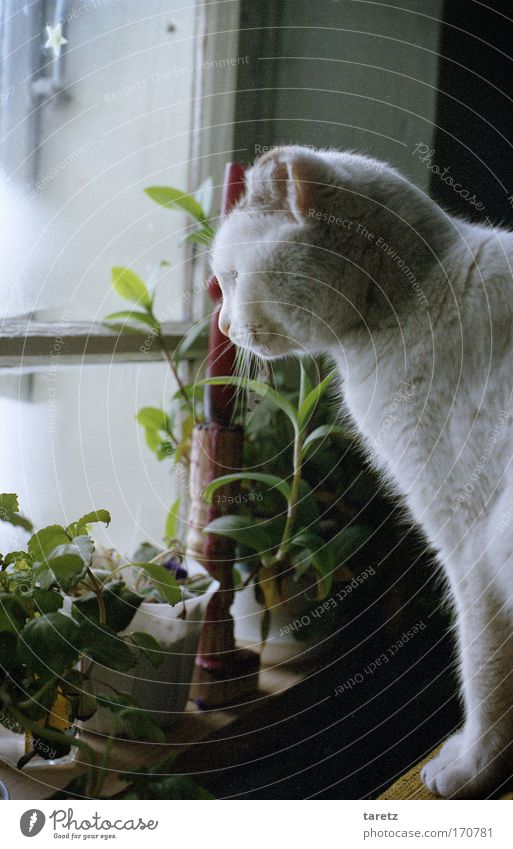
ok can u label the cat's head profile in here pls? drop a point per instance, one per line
(294, 260)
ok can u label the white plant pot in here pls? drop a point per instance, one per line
(280, 646)
(162, 691)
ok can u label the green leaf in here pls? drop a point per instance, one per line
(47, 601)
(84, 705)
(9, 501)
(201, 237)
(69, 562)
(17, 557)
(273, 482)
(140, 725)
(323, 432)
(177, 199)
(258, 536)
(116, 702)
(9, 511)
(102, 644)
(149, 646)
(134, 315)
(305, 384)
(41, 544)
(164, 582)
(153, 440)
(48, 644)
(198, 331)
(348, 541)
(312, 399)
(259, 388)
(265, 624)
(176, 787)
(173, 518)
(120, 603)
(204, 194)
(95, 516)
(9, 662)
(68, 570)
(130, 286)
(80, 526)
(12, 613)
(153, 418)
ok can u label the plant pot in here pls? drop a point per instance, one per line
(280, 646)
(162, 691)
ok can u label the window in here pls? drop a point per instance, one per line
(128, 103)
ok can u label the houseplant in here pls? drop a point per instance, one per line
(160, 680)
(61, 619)
(291, 559)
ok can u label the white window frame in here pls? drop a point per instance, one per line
(27, 344)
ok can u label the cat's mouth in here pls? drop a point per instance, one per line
(264, 343)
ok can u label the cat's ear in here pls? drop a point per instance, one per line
(288, 179)
(306, 180)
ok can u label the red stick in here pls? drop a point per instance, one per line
(219, 400)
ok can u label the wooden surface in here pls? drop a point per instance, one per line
(192, 727)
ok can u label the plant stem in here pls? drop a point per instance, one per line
(42, 690)
(294, 496)
(169, 358)
(98, 591)
(102, 769)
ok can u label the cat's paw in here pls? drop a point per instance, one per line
(463, 769)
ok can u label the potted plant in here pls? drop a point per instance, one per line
(161, 678)
(62, 622)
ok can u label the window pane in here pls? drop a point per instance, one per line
(74, 204)
(69, 443)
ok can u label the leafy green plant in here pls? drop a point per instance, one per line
(59, 618)
(290, 541)
(168, 433)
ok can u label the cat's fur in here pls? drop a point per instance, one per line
(433, 310)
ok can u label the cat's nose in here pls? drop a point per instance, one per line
(224, 326)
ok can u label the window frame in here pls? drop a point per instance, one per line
(27, 344)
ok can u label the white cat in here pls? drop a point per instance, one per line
(336, 253)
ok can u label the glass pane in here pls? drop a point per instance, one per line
(69, 443)
(109, 117)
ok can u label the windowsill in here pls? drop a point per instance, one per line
(38, 343)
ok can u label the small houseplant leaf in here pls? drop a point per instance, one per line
(323, 432)
(164, 582)
(149, 646)
(129, 285)
(48, 644)
(259, 388)
(177, 199)
(258, 536)
(272, 481)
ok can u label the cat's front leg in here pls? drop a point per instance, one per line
(474, 762)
